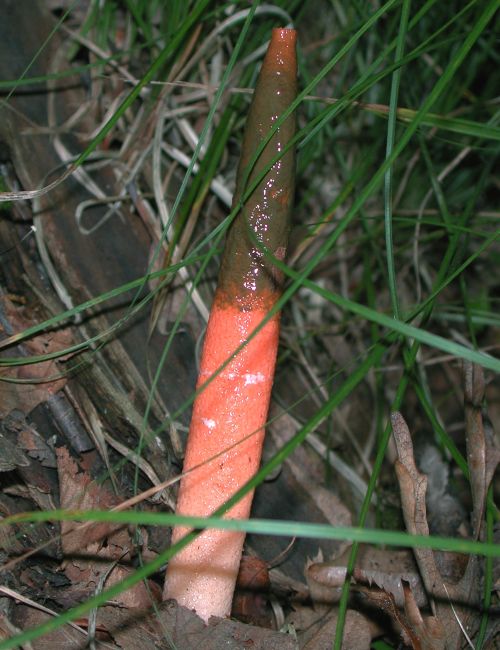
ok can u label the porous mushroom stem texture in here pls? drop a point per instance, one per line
(232, 408)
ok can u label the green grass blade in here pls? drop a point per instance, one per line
(391, 134)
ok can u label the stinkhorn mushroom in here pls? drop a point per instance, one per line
(234, 404)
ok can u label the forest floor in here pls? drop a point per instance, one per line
(118, 156)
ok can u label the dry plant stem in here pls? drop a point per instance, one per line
(477, 450)
(413, 486)
(235, 402)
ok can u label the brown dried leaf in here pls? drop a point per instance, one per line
(357, 633)
(181, 628)
(77, 491)
(10, 456)
(89, 549)
(428, 631)
(384, 601)
(27, 396)
(64, 637)
(137, 598)
(393, 582)
(130, 629)
(28, 438)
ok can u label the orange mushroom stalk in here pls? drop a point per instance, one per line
(234, 404)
